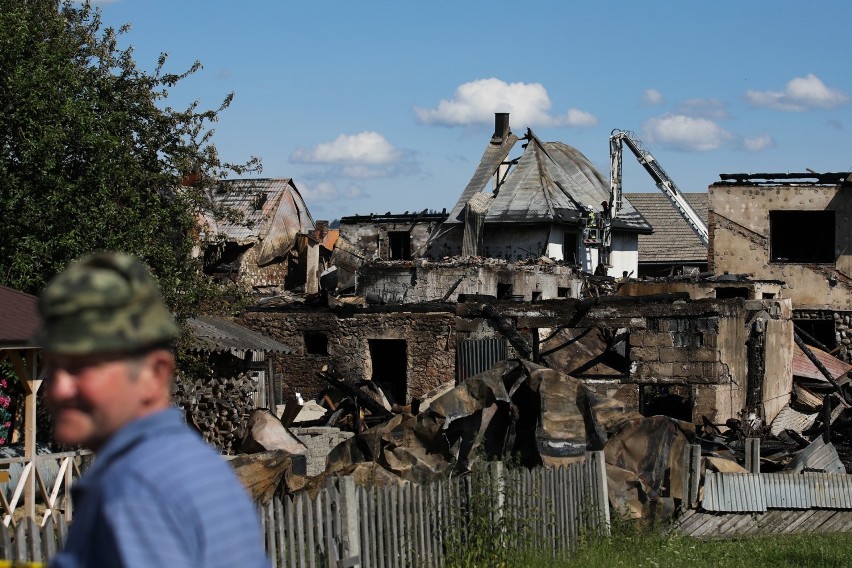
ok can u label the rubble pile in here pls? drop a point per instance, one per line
(541, 417)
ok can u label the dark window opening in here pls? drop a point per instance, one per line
(223, 260)
(673, 401)
(316, 343)
(399, 243)
(563, 292)
(258, 201)
(801, 236)
(731, 292)
(390, 367)
(504, 291)
(569, 248)
(820, 329)
(767, 295)
(536, 296)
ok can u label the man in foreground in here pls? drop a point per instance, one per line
(156, 494)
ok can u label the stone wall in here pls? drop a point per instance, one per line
(430, 344)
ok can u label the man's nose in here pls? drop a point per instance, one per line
(60, 384)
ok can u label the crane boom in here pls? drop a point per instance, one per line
(616, 141)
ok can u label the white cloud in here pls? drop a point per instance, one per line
(653, 97)
(758, 143)
(477, 101)
(364, 148)
(801, 93)
(703, 108)
(577, 117)
(686, 133)
(327, 191)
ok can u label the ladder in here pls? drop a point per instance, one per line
(661, 178)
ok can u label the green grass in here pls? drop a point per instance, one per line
(660, 551)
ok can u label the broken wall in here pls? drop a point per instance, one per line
(342, 340)
(423, 281)
(257, 277)
(747, 289)
(372, 235)
(741, 242)
(692, 349)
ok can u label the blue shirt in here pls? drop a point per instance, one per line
(157, 495)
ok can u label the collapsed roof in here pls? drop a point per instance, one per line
(550, 182)
(266, 211)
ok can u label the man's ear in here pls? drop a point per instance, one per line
(159, 370)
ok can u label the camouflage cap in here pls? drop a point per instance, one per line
(104, 303)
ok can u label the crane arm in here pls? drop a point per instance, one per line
(616, 141)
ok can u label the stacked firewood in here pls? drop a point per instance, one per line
(217, 407)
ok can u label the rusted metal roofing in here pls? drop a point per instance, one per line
(215, 334)
(551, 182)
(269, 211)
(673, 240)
(803, 367)
(19, 319)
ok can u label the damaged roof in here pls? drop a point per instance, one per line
(269, 211)
(550, 182)
(215, 334)
(673, 240)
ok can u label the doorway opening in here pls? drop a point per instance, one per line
(389, 358)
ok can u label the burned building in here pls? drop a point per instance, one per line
(422, 281)
(548, 201)
(249, 229)
(401, 236)
(406, 350)
(793, 228)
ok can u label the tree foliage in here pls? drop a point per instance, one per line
(92, 156)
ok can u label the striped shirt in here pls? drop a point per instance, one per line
(157, 495)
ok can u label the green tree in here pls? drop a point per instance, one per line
(91, 155)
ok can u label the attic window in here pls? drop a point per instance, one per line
(801, 236)
(258, 201)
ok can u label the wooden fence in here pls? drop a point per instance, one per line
(345, 525)
(29, 544)
(51, 475)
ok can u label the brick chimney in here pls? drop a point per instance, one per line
(501, 127)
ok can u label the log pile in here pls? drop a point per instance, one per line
(217, 407)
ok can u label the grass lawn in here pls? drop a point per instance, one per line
(657, 551)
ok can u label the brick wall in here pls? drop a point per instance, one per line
(319, 441)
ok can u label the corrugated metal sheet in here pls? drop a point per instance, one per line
(802, 366)
(790, 419)
(218, 334)
(733, 492)
(474, 356)
(818, 456)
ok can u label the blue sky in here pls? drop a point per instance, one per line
(388, 106)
